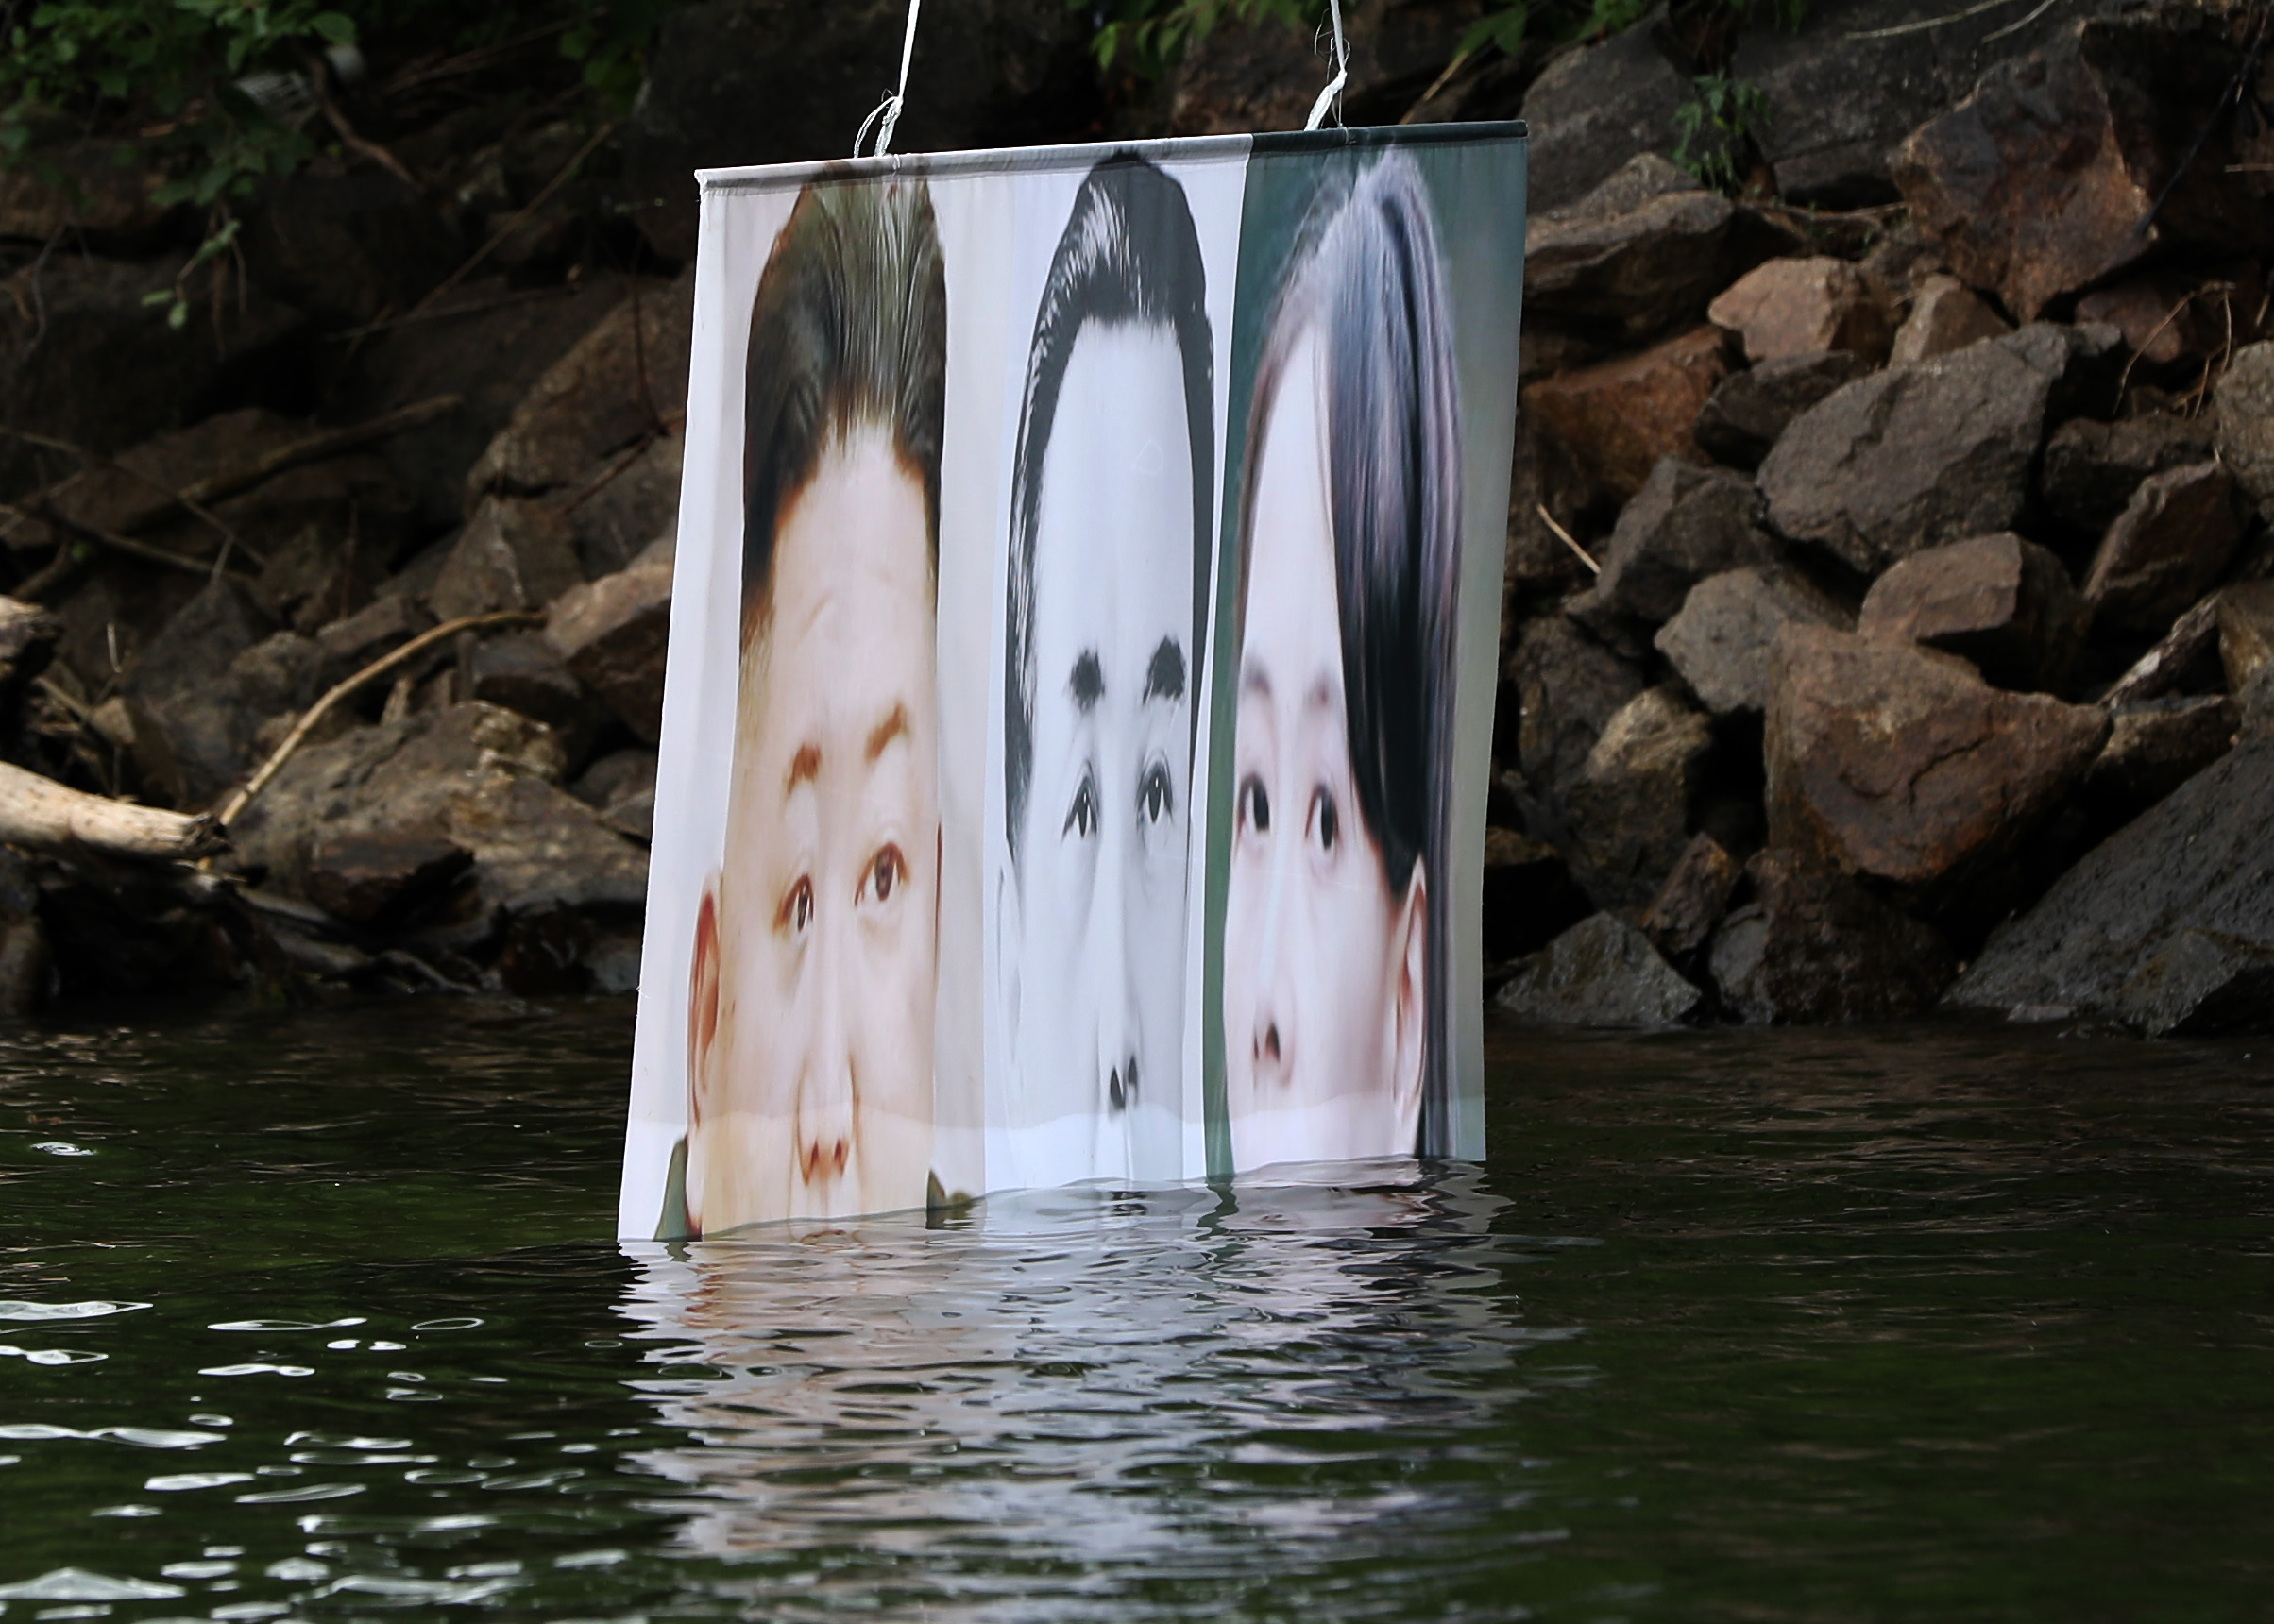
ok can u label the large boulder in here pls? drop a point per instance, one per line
(613, 634)
(1722, 641)
(1750, 409)
(1591, 111)
(1630, 807)
(2044, 181)
(1686, 523)
(1617, 418)
(770, 81)
(2003, 603)
(1902, 763)
(1911, 457)
(1681, 917)
(1813, 947)
(1858, 75)
(2201, 861)
(1603, 971)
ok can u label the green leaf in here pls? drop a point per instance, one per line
(179, 317)
(339, 29)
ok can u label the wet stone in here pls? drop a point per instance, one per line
(1603, 971)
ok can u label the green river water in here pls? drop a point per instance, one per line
(315, 1314)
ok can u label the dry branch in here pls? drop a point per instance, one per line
(36, 811)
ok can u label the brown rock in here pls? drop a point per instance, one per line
(1722, 641)
(2185, 659)
(2039, 182)
(1812, 947)
(1945, 314)
(1568, 686)
(2246, 420)
(345, 647)
(2165, 549)
(1750, 409)
(1803, 307)
(131, 491)
(511, 555)
(1686, 523)
(1684, 912)
(1602, 972)
(98, 189)
(623, 384)
(1616, 420)
(1538, 563)
(621, 786)
(2246, 632)
(521, 672)
(364, 877)
(1630, 807)
(2001, 602)
(2160, 323)
(1911, 457)
(1899, 763)
(612, 633)
(2093, 469)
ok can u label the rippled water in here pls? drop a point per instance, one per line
(315, 1315)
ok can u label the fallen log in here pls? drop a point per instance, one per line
(36, 811)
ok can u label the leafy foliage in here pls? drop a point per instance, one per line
(1150, 36)
(1717, 128)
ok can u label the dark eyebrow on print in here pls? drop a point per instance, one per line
(1165, 674)
(1088, 682)
(805, 766)
(893, 727)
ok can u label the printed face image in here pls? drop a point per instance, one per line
(811, 1025)
(1096, 970)
(1323, 965)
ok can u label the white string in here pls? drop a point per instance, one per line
(1327, 97)
(887, 111)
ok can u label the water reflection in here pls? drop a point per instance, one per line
(1087, 1376)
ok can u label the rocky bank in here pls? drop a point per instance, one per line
(1889, 598)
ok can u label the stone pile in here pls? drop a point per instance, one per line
(1889, 618)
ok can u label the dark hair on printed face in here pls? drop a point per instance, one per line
(1129, 255)
(848, 329)
(1366, 285)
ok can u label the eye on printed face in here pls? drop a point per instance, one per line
(1310, 955)
(1098, 1011)
(814, 1097)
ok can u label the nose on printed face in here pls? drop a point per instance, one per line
(1272, 1041)
(1111, 958)
(824, 1126)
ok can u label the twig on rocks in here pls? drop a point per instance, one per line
(1564, 536)
(2017, 27)
(343, 689)
(36, 811)
(117, 543)
(1930, 23)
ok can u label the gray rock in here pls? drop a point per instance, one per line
(2005, 604)
(2246, 632)
(512, 555)
(346, 247)
(373, 632)
(200, 735)
(2201, 859)
(2200, 984)
(2091, 468)
(613, 634)
(1684, 524)
(1911, 457)
(521, 672)
(621, 785)
(1644, 253)
(2185, 660)
(1600, 973)
(2245, 420)
(1945, 314)
(2170, 543)
(1812, 947)
(1568, 686)
(1594, 110)
(1722, 641)
(1630, 807)
(1752, 409)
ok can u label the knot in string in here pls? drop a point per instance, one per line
(884, 117)
(1332, 93)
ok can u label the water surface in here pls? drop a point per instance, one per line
(315, 1314)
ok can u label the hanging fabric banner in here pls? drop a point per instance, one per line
(1083, 664)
